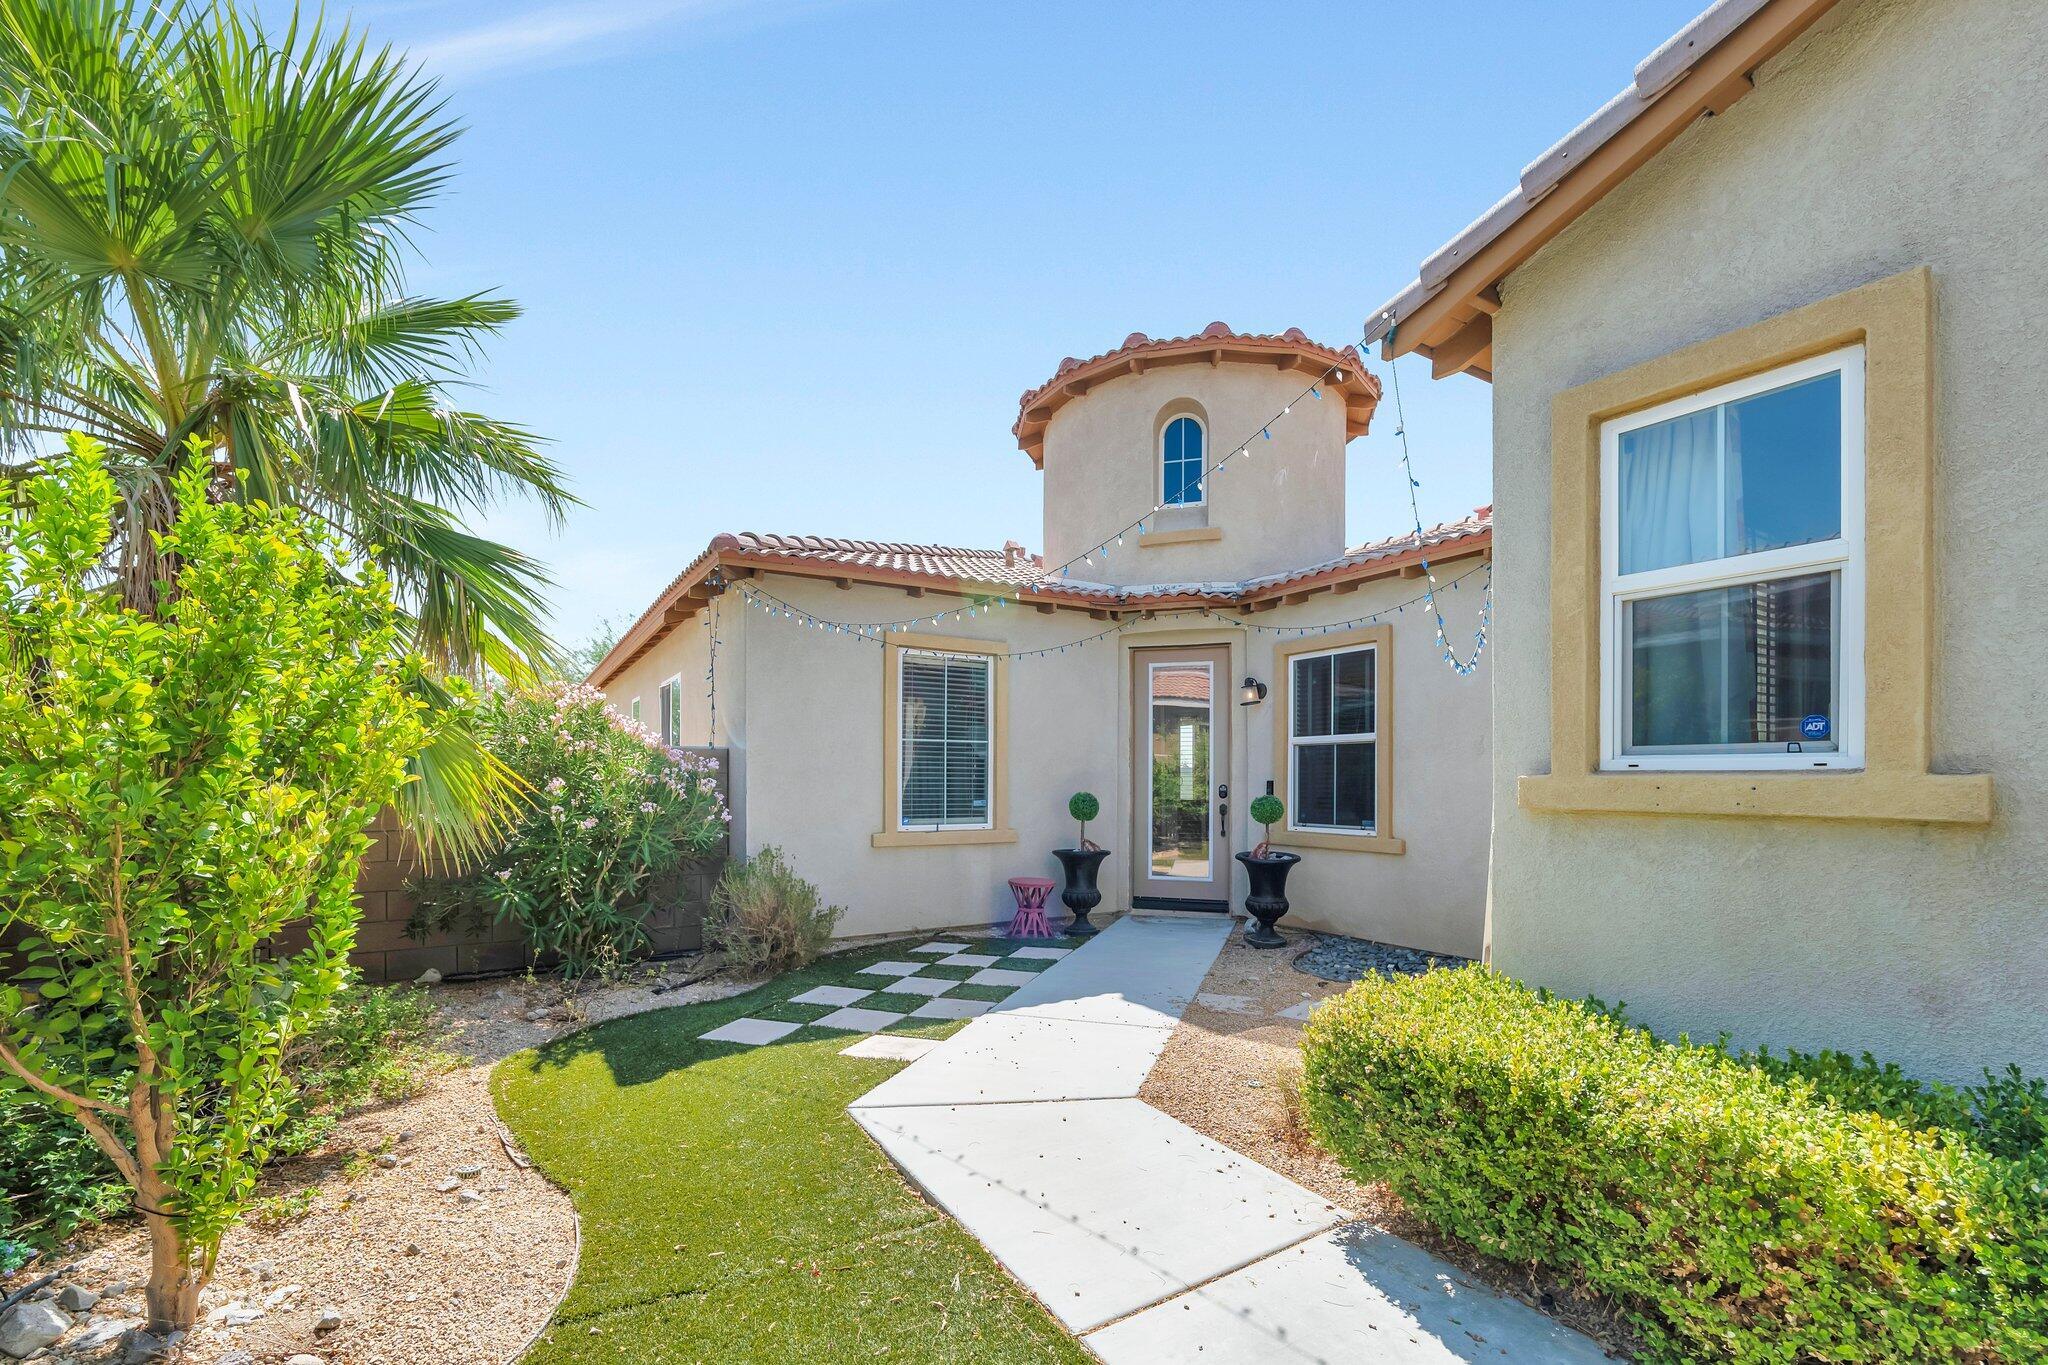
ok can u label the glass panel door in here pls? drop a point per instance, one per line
(1180, 727)
(1183, 702)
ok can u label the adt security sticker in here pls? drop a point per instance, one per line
(1815, 727)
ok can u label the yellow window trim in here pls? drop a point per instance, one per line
(1188, 535)
(1893, 319)
(890, 836)
(1382, 840)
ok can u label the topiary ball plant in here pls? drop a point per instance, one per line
(1267, 811)
(1084, 807)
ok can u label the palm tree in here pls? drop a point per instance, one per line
(203, 234)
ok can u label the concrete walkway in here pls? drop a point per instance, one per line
(1148, 1240)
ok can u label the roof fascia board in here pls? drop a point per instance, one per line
(1700, 70)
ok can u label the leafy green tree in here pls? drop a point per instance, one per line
(180, 785)
(204, 230)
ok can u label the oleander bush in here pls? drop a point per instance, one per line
(613, 810)
(1745, 1208)
(768, 920)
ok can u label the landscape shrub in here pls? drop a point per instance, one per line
(1744, 1209)
(767, 919)
(376, 1045)
(612, 810)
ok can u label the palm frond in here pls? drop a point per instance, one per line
(458, 799)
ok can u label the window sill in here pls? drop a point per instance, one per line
(1189, 535)
(1914, 798)
(939, 838)
(1340, 843)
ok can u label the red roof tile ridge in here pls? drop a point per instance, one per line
(1216, 331)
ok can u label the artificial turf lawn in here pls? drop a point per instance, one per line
(729, 1208)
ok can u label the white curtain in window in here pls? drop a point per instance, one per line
(1670, 493)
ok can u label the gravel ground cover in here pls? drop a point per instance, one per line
(414, 1229)
(1334, 957)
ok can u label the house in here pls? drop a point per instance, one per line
(908, 721)
(1762, 336)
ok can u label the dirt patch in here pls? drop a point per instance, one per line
(1232, 1071)
(422, 1229)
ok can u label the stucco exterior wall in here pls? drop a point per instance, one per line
(807, 722)
(1897, 134)
(1282, 508)
(683, 654)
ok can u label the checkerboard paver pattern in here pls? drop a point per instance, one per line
(948, 980)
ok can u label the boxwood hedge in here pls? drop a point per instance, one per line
(1737, 1208)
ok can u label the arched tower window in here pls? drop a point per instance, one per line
(1181, 446)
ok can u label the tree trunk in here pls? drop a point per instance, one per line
(176, 1272)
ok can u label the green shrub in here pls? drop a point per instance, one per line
(613, 809)
(767, 919)
(1736, 1210)
(1084, 806)
(53, 1181)
(375, 1046)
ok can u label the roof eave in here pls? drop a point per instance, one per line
(1446, 313)
(693, 588)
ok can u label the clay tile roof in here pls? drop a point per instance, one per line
(1290, 350)
(951, 569)
(1181, 684)
(934, 561)
(1438, 541)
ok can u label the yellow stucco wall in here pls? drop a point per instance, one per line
(1898, 135)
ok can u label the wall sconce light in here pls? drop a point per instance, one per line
(1252, 693)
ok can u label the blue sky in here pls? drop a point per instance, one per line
(788, 264)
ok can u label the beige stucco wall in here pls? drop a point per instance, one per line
(805, 716)
(1281, 508)
(683, 654)
(1899, 134)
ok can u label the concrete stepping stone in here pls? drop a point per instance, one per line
(891, 1047)
(923, 985)
(830, 995)
(1101, 1209)
(940, 948)
(859, 1020)
(1301, 1011)
(1355, 1293)
(1001, 976)
(1042, 954)
(969, 960)
(892, 968)
(952, 1009)
(1225, 1003)
(752, 1032)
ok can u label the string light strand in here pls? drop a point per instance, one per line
(1465, 668)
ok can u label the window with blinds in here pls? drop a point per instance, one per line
(1333, 735)
(947, 734)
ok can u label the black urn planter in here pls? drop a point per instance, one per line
(1081, 893)
(1267, 900)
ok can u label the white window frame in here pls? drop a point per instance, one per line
(1295, 742)
(669, 725)
(903, 740)
(1159, 461)
(1208, 783)
(636, 710)
(1843, 555)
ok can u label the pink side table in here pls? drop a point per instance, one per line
(1031, 894)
